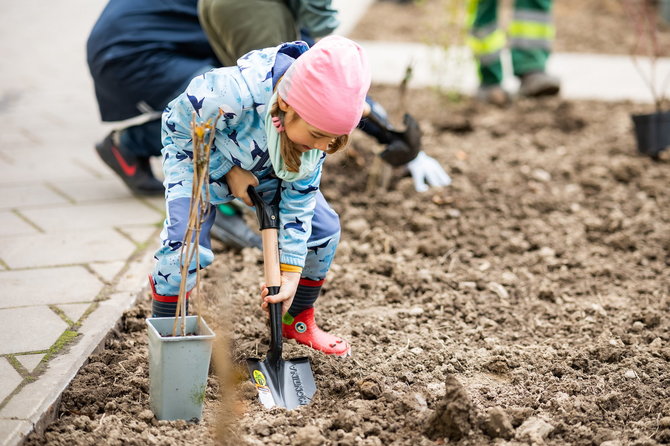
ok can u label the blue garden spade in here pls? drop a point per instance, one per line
(282, 383)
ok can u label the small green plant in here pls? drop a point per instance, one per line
(198, 395)
(66, 338)
(446, 28)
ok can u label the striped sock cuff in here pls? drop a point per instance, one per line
(165, 309)
(305, 296)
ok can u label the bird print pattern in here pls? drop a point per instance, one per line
(241, 94)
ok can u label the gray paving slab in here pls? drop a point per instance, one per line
(48, 286)
(65, 248)
(100, 190)
(74, 311)
(69, 217)
(140, 234)
(36, 402)
(47, 160)
(9, 378)
(157, 168)
(156, 203)
(350, 12)
(11, 225)
(133, 280)
(29, 329)
(28, 195)
(107, 270)
(608, 78)
(29, 362)
(15, 139)
(38, 167)
(13, 431)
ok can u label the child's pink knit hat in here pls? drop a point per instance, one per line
(327, 85)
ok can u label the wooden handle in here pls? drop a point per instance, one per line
(271, 258)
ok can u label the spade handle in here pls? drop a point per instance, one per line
(268, 220)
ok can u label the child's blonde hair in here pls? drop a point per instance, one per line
(288, 150)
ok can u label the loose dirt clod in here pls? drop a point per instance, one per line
(370, 388)
(309, 436)
(534, 430)
(452, 417)
(497, 424)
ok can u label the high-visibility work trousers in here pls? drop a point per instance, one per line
(530, 34)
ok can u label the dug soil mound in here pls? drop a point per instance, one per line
(527, 302)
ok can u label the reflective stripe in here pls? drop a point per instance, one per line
(471, 14)
(481, 33)
(530, 44)
(487, 59)
(492, 43)
(531, 30)
(527, 15)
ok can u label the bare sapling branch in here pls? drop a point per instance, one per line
(646, 44)
(202, 135)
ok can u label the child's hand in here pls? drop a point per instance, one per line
(238, 180)
(289, 285)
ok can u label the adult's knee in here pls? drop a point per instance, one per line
(236, 27)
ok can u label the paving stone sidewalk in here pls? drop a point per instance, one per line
(75, 246)
(583, 76)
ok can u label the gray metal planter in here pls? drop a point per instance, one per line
(178, 367)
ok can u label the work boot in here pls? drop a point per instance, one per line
(493, 94)
(164, 306)
(230, 228)
(133, 170)
(538, 84)
(304, 330)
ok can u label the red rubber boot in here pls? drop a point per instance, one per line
(164, 306)
(304, 330)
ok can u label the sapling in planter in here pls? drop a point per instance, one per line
(652, 130)
(180, 347)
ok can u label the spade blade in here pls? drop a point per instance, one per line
(283, 383)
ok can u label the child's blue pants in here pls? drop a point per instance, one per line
(321, 245)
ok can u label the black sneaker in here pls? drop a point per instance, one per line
(134, 171)
(230, 228)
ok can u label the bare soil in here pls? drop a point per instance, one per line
(528, 300)
(526, 303)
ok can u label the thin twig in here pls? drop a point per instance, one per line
(199, 209)
(100, 422)
(645, 26)
(397, 353)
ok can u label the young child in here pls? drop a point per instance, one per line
(283, 109)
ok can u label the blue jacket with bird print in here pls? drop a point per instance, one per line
(243, 94)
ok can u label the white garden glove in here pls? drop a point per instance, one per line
(427, 172)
